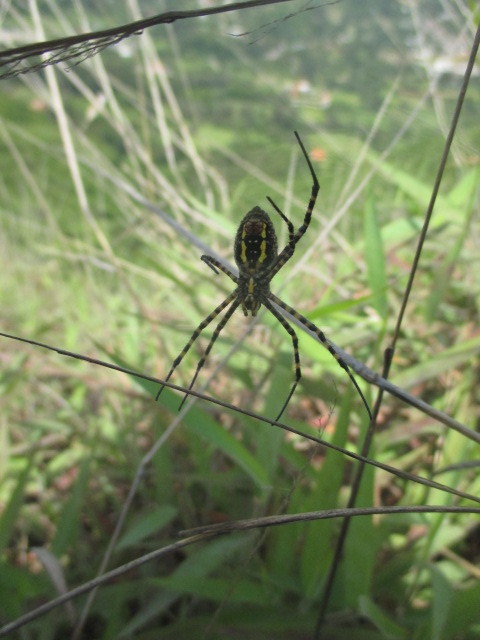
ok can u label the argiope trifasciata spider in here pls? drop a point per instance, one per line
(258, 261)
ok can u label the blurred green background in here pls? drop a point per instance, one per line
(112, 174)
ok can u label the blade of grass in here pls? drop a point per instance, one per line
(375, 258)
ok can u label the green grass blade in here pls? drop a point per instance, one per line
(69, 528)
(375, 258)
(11, 512)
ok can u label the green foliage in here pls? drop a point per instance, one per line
(176, 134)
(375, 259)
(12, 507)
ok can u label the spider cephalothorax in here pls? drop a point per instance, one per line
(258, 260)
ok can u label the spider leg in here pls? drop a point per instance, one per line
(296, 355)
(213, 339)
(325, 341)
(291, 228)
(288, 251)
(216, 265)
(194, 336)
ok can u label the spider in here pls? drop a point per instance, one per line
(258, 261)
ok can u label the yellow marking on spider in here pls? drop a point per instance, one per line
(243, 254)
(263, 245)
(251, 286)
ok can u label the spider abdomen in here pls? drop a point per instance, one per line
(255, 246)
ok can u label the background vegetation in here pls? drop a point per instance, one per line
(112, 174)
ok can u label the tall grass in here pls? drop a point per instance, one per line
(116, 175)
